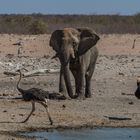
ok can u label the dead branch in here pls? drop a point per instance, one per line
(33, 72)
(10, 73)
(117, 118)
(52, 95)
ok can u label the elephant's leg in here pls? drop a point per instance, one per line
(88, 86)
(62, 87)
(80, 84)
(76, 81)
(88, 77)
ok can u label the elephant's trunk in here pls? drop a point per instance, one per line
(68, 82)
(66, 71)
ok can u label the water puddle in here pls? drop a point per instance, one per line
(88, 134)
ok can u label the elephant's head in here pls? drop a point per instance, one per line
(65, 42)
(68, 43)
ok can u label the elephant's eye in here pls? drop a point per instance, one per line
(74, 43)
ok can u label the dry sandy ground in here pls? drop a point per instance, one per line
(113, 85)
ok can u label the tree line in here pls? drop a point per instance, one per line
(40, 24)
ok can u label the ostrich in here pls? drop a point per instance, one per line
(34, 95)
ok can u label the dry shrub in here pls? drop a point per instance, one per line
(39, 24)
(38, 27)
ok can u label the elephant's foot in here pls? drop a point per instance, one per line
(81, 97)
(63, 93)
(88, 95)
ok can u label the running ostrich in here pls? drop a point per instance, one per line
(34, 95)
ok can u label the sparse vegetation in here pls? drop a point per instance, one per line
(38, 23)
(38, 27)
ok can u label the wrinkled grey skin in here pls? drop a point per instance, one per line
(77, 53)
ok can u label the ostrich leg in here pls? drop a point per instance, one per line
(47, 110)
(33, 109)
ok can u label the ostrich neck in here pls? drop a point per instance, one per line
(19, 82)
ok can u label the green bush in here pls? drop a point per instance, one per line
(38, 27)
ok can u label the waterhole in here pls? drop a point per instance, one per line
(88, 134)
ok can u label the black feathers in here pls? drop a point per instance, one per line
(137, 92)
(34, 94)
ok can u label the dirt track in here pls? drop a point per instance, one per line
(114, 83)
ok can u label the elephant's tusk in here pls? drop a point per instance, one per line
(55, 56)
(72, 53)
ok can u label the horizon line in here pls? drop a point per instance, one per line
(73, 14)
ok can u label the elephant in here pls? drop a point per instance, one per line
(76, 50)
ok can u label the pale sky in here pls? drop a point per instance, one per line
(123, 7)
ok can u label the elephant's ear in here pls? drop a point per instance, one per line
(88, 39)
(56, 40)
